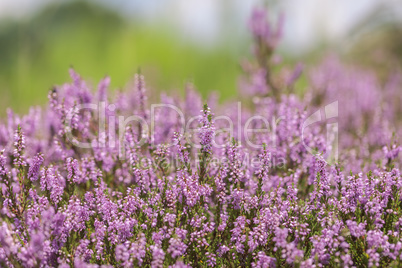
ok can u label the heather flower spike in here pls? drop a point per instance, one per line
(34, 168)
(207, 130)
(19, 146)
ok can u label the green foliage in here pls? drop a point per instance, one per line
(97, 41)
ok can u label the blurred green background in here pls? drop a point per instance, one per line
(36, 53)
(96, 38)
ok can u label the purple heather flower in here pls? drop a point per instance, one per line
(264, 261)
(176, 247)
(179, 264)
(19, 146)
(295, 74)
(139, 84)
(3, 161)
(34, 167)
(356, 230)
(263, 30)
(158, 256)
(102, 89)
(207, 130)
(182, 152)
(73, 170)
(52, 181)
(211, 259)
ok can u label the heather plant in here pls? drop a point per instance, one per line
(101, 179)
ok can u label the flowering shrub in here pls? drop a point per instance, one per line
(96, 179)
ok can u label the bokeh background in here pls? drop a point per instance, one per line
(178, 41)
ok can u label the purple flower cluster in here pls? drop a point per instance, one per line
(79, 190)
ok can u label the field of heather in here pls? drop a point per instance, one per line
(302, 170)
